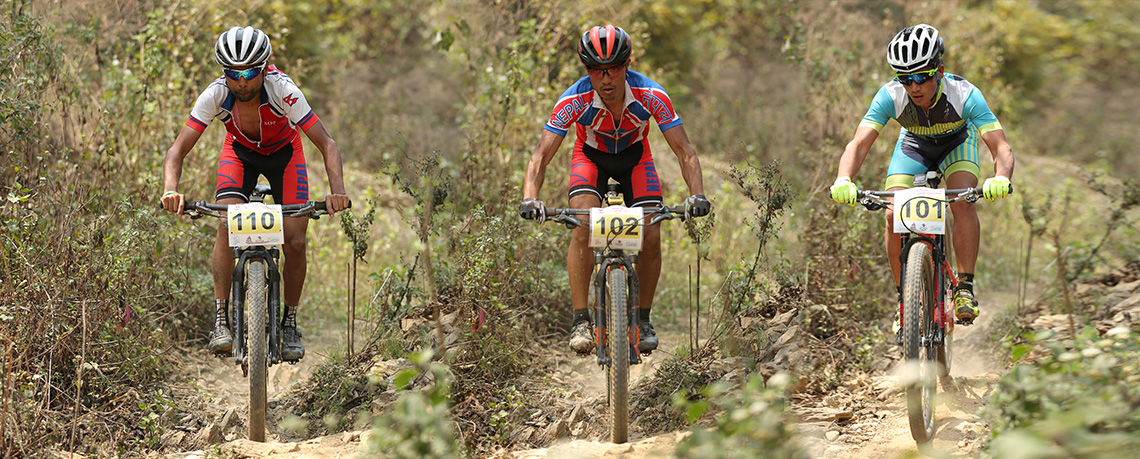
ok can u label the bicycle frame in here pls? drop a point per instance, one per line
(256, 254)
(606, 259)
(944, 278)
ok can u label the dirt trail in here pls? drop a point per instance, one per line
(880, 428)
(224, 388)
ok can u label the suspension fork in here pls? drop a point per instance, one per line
(604, 264)
(244, 257)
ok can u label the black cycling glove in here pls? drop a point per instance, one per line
(697, 206)
(532, 209)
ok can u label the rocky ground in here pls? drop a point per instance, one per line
(863, 417)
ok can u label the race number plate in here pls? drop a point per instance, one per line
(255, 224)
(920, 210)
(616, 227)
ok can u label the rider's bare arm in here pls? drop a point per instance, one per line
(172, 167)
(856, 151)
(1002, 152)
(338, 199)
(687, 158)
(536, 170)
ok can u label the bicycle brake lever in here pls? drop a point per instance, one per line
(972, 195)
(872, 205)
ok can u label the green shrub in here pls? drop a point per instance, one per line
(418, 426)
(755, 422)
(1081, 400)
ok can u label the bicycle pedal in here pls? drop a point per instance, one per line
(646, 352)
(223, 355)
(964, 321)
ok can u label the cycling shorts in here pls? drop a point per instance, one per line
(915, 155)
(633, 169)
(240, 165)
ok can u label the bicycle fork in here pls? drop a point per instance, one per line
(273, 284)
(937, 334)
(604, 264)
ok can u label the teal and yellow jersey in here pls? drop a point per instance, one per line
(957, 102)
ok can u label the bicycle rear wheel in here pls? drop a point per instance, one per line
(256, 295)
(617, 326)
(919, 295)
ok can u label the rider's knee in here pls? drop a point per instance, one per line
(580, 237)
(652, 236)
(294, 245)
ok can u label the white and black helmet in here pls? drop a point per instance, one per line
(241, 46)
(914, 48)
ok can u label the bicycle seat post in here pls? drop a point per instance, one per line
(613, 196)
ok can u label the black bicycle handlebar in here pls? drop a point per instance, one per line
(200, 208)
(567, 215)
(873, 199)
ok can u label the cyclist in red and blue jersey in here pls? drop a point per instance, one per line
(611, 109)
(263, 112)
(943, 117)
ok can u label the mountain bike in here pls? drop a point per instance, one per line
(255, 232)
(928, 282)
(615, 235)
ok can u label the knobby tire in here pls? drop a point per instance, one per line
(618, 331)
(918, 321)
(256, 300)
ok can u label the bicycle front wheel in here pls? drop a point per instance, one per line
(919, 366)
(617, 311)
(256, 295)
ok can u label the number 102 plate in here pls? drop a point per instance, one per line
(616, 227)
(255, 224)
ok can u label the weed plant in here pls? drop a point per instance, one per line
(1081, 400)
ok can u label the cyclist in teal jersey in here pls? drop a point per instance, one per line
(942, 117)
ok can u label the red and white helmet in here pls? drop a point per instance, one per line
(914, 48)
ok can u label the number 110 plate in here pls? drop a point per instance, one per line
(255, 224)
(616, 227)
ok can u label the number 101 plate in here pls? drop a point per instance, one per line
(920, 210)
(616, 227)
(255, 224)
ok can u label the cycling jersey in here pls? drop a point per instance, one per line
(943, 138)
(581, 105)
(957, 102)
(283, 110)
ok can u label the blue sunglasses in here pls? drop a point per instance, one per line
(917, 77)
(248, 74)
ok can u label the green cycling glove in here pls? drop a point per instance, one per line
(843, 191)
(995, 187)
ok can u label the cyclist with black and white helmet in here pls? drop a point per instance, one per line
(943, 117)
(611, 108)
(262, 111)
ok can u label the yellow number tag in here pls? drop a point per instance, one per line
(616, 227)
(255, 224)
(920, 210)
